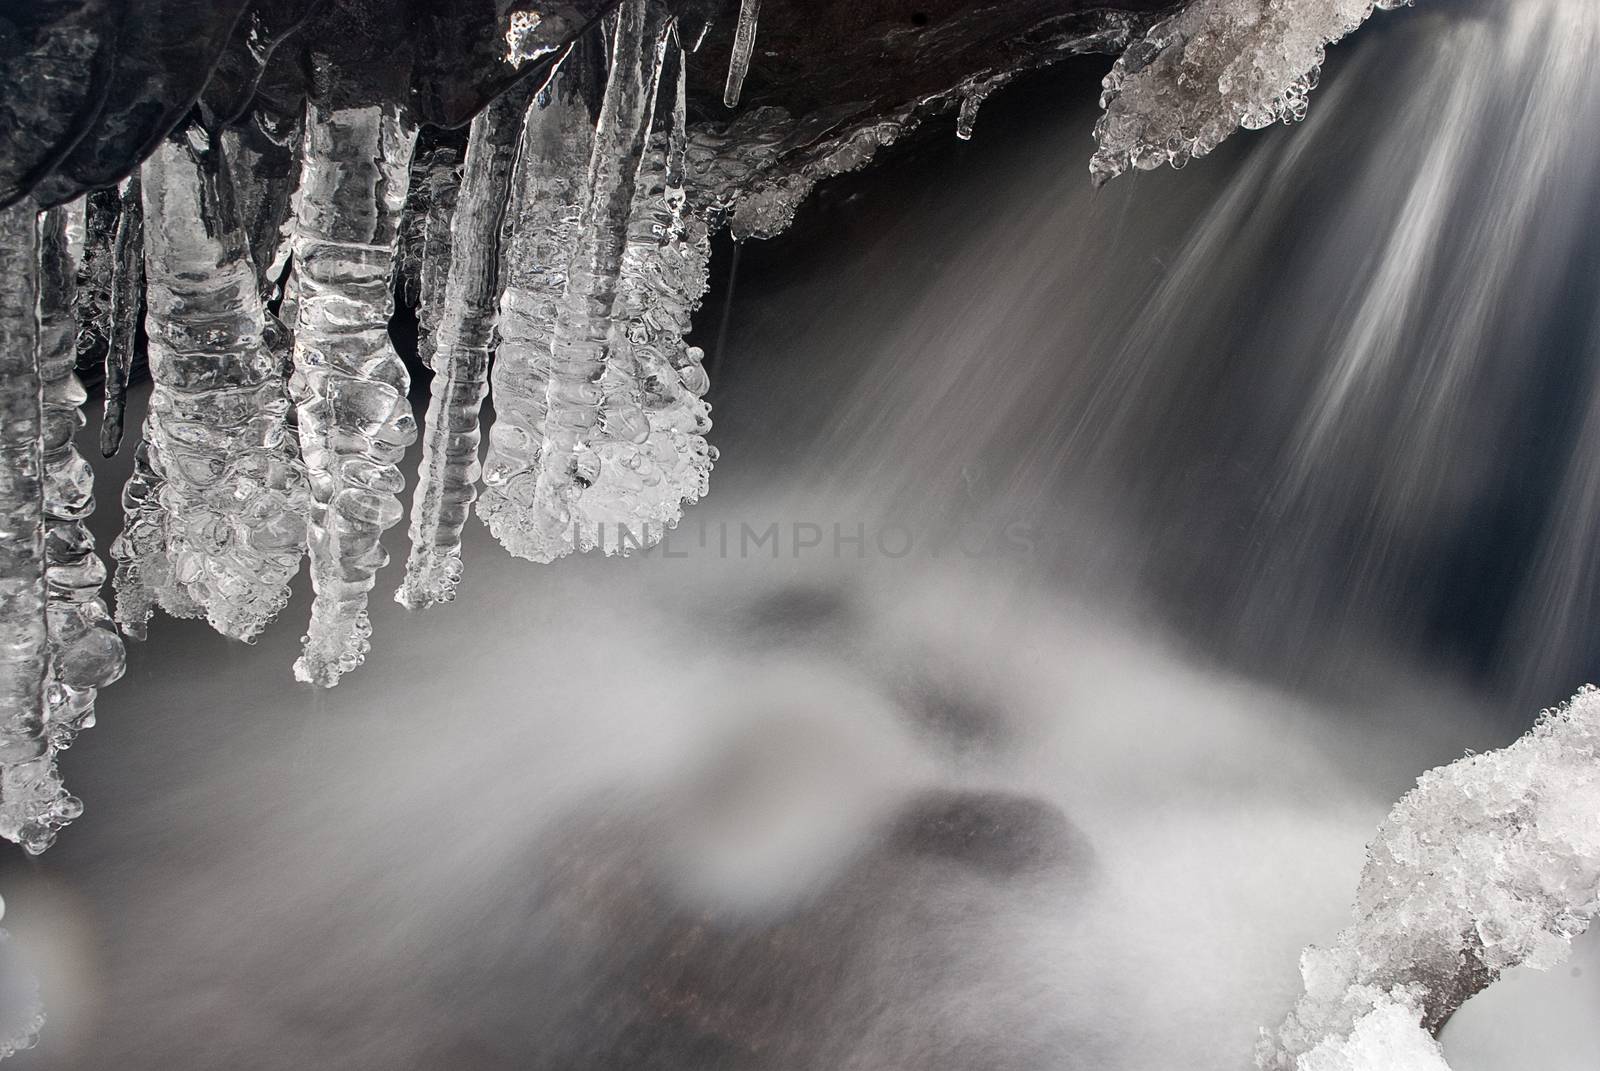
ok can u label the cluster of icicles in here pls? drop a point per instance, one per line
(262, 262)
(264, 259)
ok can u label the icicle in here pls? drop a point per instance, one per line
(85, 651)
(640, 487)
(422, 264)
(547, 188)
(33, 805)
(438, 247)
(645, 452)
(127, 305)
(95, 270)
(264, 163)
(587, 339)
(677, 176)
(744, 43)
(350, 385)
(447, 481)
(973, 93)
(224, 531)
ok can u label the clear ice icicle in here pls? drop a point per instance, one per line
(33, 805)
(127, 305)
(587, 337)
(1214, 67)
(349, 384)
(640, 487)
(438, 247)
(447, 481)
(86, 653)
(744, 45)
(422, 263)
(218, 497)
(547, 193)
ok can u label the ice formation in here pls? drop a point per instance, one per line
(1489, 863)
(642, 484)
(744, 45)
(547, 186)
(448, 478)
(575, 255)
(349, 384)
(599, 439)
(214, 511)
(1214, 67)
(423, 265)
(272, 253)
(263, 159)
(590, 396)
(101, 211)
(86, 653)
(127, 306)
(973, 93)
(33, 805)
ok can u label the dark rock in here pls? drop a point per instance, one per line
(94, 85)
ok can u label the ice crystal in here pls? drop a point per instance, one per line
(1384, 1039)
(33, 805)
(218, 496)
(1214, 67)
(86, 653)
(1489, 863)
(447, 481)
(350, 385)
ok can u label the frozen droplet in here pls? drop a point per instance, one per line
(447, 479)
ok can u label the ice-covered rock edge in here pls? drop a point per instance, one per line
(1491, 862)
(1214, 67)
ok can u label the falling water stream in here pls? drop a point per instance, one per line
(1086, 573)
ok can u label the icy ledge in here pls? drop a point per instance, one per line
(1214, 67)
(1489, 863)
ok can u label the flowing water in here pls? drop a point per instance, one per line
(1084, 576)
